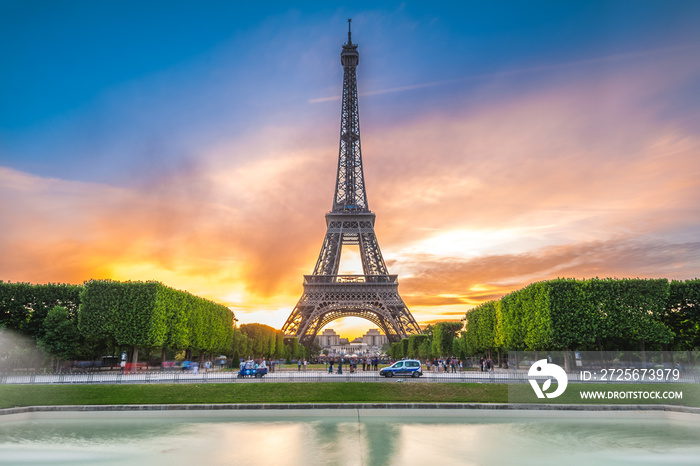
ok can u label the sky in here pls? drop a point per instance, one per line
(196, 144)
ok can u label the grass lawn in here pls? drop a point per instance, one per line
(268, 392)
(311, 392)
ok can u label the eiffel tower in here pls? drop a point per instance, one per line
(374, 295)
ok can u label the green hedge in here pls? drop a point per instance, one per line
(150, 314)
(595, 314)
(682, 314)
(23, 306)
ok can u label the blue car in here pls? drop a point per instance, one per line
(408, 367)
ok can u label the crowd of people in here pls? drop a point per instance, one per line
(335, 365)
(486, 365)
(368, 364)
(444, 365)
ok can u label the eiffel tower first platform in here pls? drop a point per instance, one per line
(374, 295)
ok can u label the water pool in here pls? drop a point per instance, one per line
(351, 437)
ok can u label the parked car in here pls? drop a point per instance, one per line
(409, 367)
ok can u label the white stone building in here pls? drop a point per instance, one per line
(374, 337)
(328, 338)
(369, 344)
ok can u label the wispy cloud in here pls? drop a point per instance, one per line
(544, 68)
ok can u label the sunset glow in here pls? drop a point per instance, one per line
(203, 155)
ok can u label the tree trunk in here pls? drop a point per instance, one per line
(135, 357)
(667, 355)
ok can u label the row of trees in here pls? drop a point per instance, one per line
(150, 314)
(102, 316)
(259, 340)
(596, 314)
(440, 340)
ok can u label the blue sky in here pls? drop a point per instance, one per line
(93, 77)
(195, 144)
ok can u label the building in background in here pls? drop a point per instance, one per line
(328, 339)
(369, 344)
(374, 337)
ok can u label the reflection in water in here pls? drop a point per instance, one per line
(350, 440)
(382, 440)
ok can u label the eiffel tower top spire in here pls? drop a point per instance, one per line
(350, 195)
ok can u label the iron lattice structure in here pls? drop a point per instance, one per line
(374, 295)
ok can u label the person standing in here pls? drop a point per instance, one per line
(299, 365)
(304, 365)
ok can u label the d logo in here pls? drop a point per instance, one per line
(544, 369)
